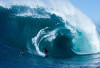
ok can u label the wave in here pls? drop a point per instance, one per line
(40, 24)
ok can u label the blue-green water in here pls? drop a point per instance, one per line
(72, 41)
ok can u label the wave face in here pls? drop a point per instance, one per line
(40, 24)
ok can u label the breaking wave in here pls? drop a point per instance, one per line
(40, 24)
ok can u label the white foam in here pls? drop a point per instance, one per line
(36, 41)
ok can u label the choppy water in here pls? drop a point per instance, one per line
(71, 38)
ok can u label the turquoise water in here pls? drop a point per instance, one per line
(70, 40)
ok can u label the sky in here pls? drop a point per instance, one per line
(89, 7)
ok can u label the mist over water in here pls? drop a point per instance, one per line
(30, 26)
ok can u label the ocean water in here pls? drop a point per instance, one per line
(72, 39)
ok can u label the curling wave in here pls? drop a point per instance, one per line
(64, 30)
